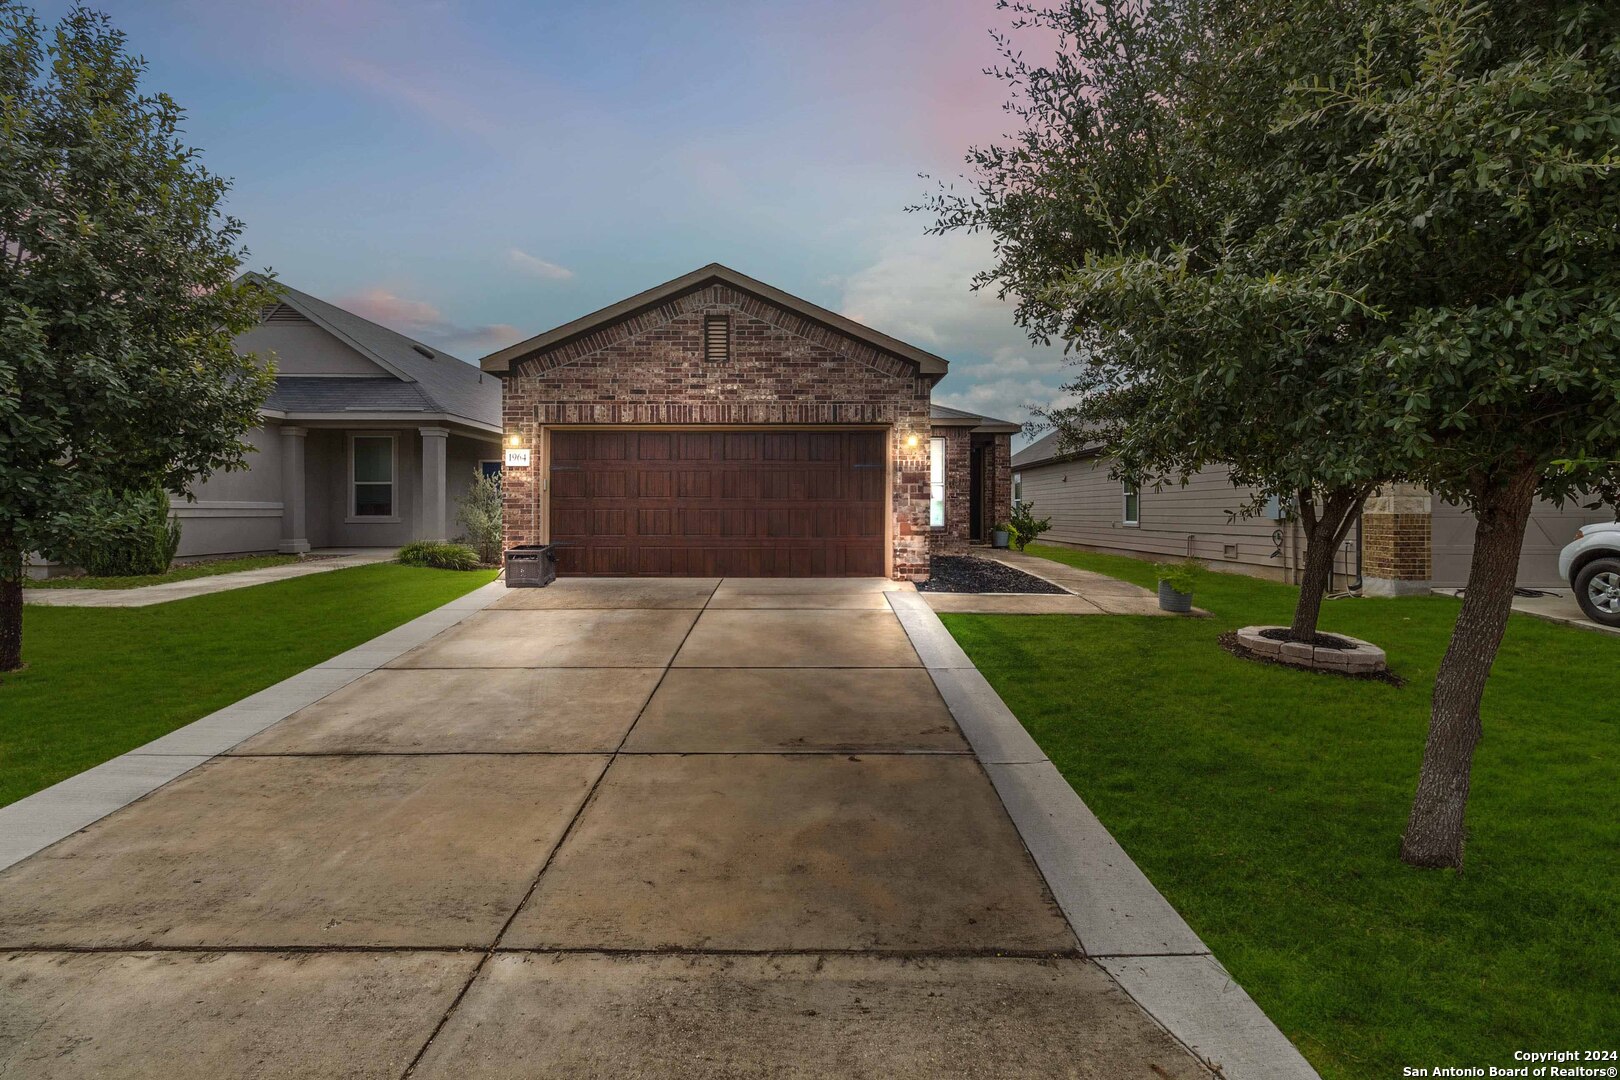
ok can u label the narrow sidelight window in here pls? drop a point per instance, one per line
(716, 339)
(936, 483)
(372, 467)
(1133, 499)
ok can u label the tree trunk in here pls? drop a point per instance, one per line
(11, 609)
(1323, 535)
(1434, 831)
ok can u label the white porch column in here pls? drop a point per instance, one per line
(434, 524)
(294, 522)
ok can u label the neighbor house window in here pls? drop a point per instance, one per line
(936, 483)
(1133, 499)
(1018, 489)
(372, 467)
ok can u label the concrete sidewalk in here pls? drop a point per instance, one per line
(147, 595)
(608, 828)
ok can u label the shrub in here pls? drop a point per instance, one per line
(129, 534)
(480, 515)
(1181, 576)
(1024, 526)
(438, 555)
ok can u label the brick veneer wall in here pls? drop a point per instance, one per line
(783, 369)
(1396, 547)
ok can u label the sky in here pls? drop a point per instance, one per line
(474, 172)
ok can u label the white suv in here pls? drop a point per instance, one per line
(1591, 565)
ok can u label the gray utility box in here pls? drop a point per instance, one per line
(530, 566)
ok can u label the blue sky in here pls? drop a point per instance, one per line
(476, 172)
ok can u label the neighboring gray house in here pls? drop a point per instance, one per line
(1407, 540)
(369, 440)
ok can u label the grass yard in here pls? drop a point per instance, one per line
(1267, 804)
(177, 572)
(101, 681)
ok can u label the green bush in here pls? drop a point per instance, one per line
(438, 555)
(1024, 526)
(480, 515)
(130, 534)
(1181, 576)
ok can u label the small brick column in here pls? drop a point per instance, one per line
(1396, 531)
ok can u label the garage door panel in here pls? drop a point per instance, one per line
(740, 484)
(696, 447)
(654, 447)
(655, 484)
(740, 503)
(567, 483)
(611, 523)
(606, 446)
(606, 484)
(691, 484)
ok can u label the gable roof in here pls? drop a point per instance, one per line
(945, 416)
(442, 383)
(927, 362)
(1048, 449)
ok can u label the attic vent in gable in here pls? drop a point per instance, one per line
(282, 313)
(716, 339)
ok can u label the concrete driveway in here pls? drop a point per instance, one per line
(608, 828)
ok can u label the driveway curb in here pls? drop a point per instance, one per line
(39, 820)
(1123, 922)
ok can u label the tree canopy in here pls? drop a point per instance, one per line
(119, 294)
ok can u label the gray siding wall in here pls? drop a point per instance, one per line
(302, 348)
(1550, 528)
(1199, 520)
(236, 512)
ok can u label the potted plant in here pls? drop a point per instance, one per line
(1001, 536)
(1025, 526)
(1176, 582)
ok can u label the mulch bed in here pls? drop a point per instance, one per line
(1229, 642)
(1321, 641)
(967, 574)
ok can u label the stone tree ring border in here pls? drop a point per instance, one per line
(1361, 658)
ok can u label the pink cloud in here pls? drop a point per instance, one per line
(422, 320)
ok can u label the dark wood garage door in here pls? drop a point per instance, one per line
(713, 503)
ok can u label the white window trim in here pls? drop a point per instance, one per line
(1018, 489)
(936, 488)
(1125, 493)
(353, 518)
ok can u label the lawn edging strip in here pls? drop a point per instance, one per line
(37, 821)
(1123, 923)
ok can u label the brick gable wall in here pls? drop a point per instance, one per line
(783, 369)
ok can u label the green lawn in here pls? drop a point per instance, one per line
(1267, 804)
(177, 572)
(101, 681)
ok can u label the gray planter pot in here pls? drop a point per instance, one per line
(1171, 600)
(999, 538)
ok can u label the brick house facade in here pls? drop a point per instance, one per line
(756, 384)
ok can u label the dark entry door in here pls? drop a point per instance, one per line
(712, 503)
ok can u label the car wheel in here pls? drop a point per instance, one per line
(1597, 590)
